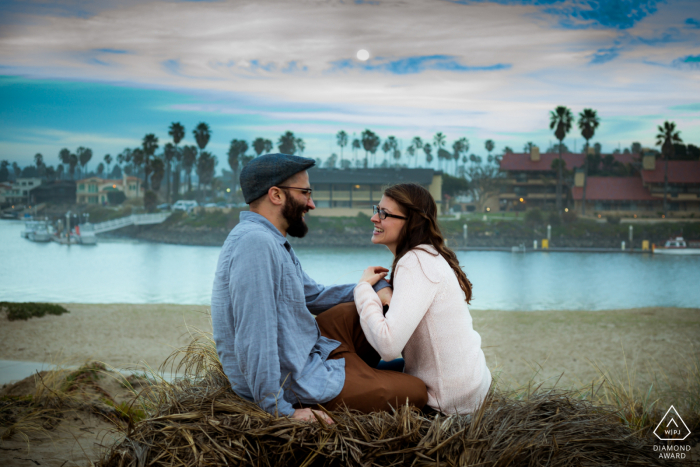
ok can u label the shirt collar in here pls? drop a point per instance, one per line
(249, 216)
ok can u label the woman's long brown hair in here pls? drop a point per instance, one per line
(421, 227)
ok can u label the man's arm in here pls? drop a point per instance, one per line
(320, 298)
(254, 282)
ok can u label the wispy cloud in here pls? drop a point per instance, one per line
(413, 65)
(692, 23)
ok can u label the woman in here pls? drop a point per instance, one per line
(428, 320)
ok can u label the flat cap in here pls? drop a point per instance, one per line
(264, 172)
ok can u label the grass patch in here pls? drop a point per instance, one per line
(24, 311)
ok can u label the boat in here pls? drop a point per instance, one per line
(677, 246)
(41, 232)
(36, 230)
(86, 234)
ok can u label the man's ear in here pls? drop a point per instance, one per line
(276, 196)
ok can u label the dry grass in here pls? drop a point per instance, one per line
(199, 420)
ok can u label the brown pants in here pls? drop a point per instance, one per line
(366, 389)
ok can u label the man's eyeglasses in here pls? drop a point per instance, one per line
(383, 214)
(305, 191)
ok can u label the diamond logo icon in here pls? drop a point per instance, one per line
(672, 427)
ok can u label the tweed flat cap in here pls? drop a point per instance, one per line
(264, 172)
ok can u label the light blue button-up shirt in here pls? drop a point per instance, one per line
(267, 339)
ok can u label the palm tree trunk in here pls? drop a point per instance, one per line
(666, 187)
(559, 187)
(585, 179)
(168, 183)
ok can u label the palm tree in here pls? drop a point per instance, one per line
(158, 169)
(64, 157)
(205, 170)
(356, 145)
(169, 153)
(300, 145)
(258, 146)
(428, 149)
(666, 138)
(149, 145)
(287, 143)
(370, 143)
(439, 139)
(411, 151)
(237, 149)
(489, 145)
(189, 157)
(177, 133)
(84, 156)
(386, 147)
(459, 147)
(341, 139)
(202, 134)
(417, 143)
(72, 163)
(587, 122)
(100, 168)
(560, 120)
(268, 146)
(38, 160)
(108, 161)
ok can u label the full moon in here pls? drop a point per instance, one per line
(362, 55)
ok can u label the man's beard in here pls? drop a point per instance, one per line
(292, 213)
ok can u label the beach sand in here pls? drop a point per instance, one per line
(569, 348)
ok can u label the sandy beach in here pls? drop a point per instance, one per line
(543, 345)
(569, 348)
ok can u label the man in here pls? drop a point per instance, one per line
(273, 351)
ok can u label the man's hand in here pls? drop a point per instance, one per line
(307, 415)
(385, 295)
(373, 274)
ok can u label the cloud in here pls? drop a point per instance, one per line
(692, 23)
(688, 62)
(412, 65)
(615, 14)
(605, 55)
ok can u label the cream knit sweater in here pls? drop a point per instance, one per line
(429, 323)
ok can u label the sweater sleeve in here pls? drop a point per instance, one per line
(413, 294)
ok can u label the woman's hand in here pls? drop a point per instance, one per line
(373, 274)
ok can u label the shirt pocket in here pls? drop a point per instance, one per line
(291, 287)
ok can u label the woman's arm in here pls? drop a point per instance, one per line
(413, 294)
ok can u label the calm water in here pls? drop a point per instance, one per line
(136, 272)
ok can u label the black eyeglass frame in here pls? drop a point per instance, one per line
(306, 191)
(382, 212)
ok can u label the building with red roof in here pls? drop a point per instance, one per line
(531, 181)
(614, 194)
(683, 182)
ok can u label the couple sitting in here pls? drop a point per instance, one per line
(276, 354)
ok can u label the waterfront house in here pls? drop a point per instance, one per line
(95, 190)
(609, 195)
(55, 191)
(347, 192)
(18, 192)
(532, 182)
(683, 182)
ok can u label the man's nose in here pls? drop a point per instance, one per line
(310, 204)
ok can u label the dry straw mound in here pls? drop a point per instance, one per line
(199, 421)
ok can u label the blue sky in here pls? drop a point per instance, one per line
(102, 73)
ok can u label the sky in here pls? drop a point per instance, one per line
(103, 73)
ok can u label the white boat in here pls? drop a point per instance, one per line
(36, 231)
(677, 246)
(86, 234)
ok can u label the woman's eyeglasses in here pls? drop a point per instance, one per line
(305, 191)
(383, 214)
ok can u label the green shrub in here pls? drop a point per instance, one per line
(533, 216)
(553, 218)
(569, 217)
(614, 220)
(150, 199)
(27, 310)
